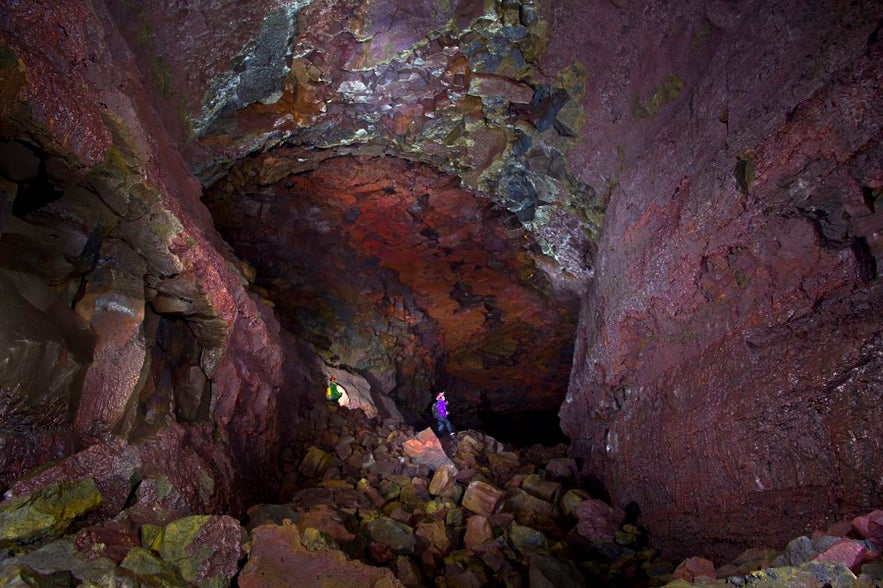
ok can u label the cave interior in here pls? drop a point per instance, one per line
(649, 232)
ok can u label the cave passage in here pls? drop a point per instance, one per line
(391, 270)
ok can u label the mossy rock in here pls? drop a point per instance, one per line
(151, 536)
(46, 514)
(148, 566)
(177, 545)
(205, 549)
(21, 575)
(316, 540)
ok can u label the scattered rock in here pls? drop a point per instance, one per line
(279, 559)
(870, 526)
(481, 498)
(693, 568)
(485, 515)
(204, 549)
(443, 480)
(853, 554)
(598, 521)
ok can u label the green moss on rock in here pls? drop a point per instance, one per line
(47, 513)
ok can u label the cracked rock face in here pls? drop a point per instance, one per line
(204, 204)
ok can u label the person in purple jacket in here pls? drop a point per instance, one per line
(440, 412)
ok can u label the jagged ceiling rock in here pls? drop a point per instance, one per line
(454, 85)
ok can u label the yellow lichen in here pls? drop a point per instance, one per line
(667, 91)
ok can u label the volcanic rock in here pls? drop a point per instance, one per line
(279, 558)
(481, 498)
(46, 513)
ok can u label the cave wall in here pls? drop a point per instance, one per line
(125, 316)
(726, 375)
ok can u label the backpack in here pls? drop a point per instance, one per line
(435, 412)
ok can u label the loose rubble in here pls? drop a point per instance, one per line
(370, 502)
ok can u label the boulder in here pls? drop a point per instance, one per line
(813, 574)
(478, 532)
(443, 480)
(407, 572)
(751, 559)
(562, 469)
(262, 514)
(433, 537)
(278, 559)
(47, 513)
(571, 500)
(387, 531)
(315, 540)
(426, 449)
(152, 568)
(525, 541)
(503, 464)
(15, 575)
(481, 498)
(547, 572)
(799, 550)
(870, 526)
(598, 521)
(532, 511)
(115, 467)
(853, 554)
(111, 539)
(204, 548)
(695, 567)
(542, 488)
(315, 462)
(328, 520)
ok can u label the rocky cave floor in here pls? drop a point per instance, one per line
(371, 502)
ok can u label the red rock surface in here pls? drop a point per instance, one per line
(850, 553)
(726, 371)
(428, 448)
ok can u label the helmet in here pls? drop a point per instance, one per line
(439, 395)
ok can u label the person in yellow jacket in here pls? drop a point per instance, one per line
(334, 391)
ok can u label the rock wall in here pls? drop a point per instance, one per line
(726, 375)
(124, 314)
